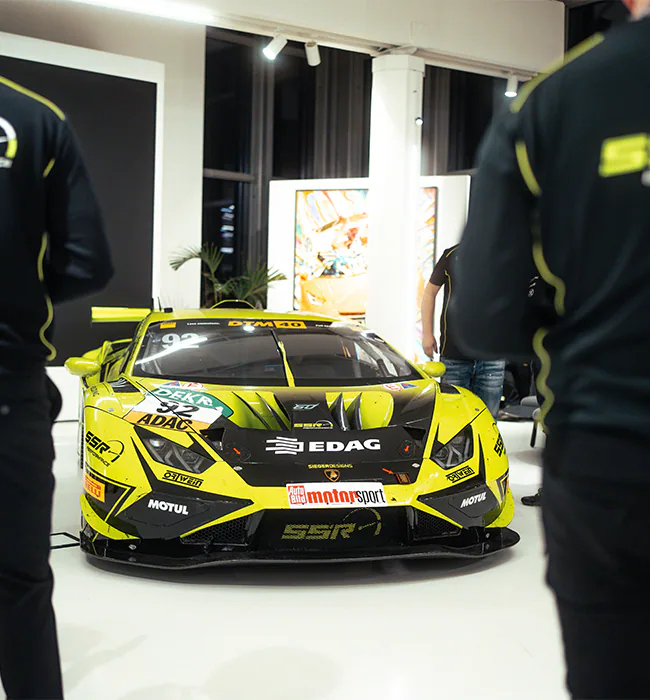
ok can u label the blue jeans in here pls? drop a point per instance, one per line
(485, 379)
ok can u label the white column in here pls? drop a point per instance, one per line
(395, 157)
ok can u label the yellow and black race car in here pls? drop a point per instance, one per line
(236, 435)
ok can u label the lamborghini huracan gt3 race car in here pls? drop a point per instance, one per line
(237, 435)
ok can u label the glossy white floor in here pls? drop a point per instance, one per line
(434, 630)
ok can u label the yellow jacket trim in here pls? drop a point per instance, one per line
(34, 96)
(48, 302)
(48, 170)
(546, 274)
(542, 379)
(526, 91)
(527, 169)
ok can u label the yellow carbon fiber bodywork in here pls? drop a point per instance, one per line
(106, 424)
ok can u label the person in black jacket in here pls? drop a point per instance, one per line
(563, 187)
(52, 249)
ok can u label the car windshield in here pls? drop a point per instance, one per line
(236, 352)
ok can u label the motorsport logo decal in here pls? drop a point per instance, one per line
(183, 479)
(105, 452)
(369, 523)
(269, 324)
(400, 387)
(179, 406)
(332, 474)
(293, 446)
(8, 144)
(364, 494)
(167, 507)
(473, 500)
(94, 488)
(330, 466)
(316, 425)
(461, 474)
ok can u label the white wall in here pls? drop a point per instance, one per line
(181, 49)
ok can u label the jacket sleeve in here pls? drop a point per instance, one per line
(495, 261)
(79, 261)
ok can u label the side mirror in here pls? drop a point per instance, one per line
(435, 370)
(82, 366)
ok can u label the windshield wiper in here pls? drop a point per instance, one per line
(285, 361)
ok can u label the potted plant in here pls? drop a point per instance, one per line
(252, 286)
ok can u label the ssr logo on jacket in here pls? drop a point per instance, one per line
(8, 144)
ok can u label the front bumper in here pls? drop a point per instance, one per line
(285, 536)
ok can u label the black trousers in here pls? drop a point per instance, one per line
(598, 541)
(29, 654)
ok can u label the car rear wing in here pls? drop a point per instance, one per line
(118, 314)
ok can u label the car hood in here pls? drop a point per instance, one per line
(280, 434)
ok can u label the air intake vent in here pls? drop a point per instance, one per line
(232, 532)
(429, 526)
(418, 434)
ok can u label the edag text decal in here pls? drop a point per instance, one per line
(293, 446)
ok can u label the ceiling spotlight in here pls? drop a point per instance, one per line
(513, 86)
(419, 121)
(274, 47)
(313, 53)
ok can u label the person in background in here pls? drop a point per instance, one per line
(485, 379)
(52, 249)
(563, 186)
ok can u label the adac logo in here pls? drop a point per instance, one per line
(8, 144)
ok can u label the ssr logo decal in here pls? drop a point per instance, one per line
(365, 494)
(269, 324)
(317, 425)
(461, 474)
(499, 447)
(8, 144)
(183, 479)
(293, 446)
(167, 507)
(473, 500)
(94, 488)
(366, 521)
(105, 452)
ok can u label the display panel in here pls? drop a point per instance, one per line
(330, 263)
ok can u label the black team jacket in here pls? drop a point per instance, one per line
(563, 191)
(53, 246)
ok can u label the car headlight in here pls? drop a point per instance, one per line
(457, 451)
(173, 455)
